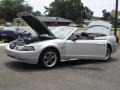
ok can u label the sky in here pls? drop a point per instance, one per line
(95, 5)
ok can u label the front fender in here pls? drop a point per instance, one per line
(57, 44)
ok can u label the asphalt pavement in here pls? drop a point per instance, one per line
(73, 75)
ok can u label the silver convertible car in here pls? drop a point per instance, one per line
(63, 43)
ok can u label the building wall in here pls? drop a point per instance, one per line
(57, 23)
(113, 13)
(20, 22)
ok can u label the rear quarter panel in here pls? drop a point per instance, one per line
(110, 40)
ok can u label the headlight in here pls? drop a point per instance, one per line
(27, 48)
(13, 45)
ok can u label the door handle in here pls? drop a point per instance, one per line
(100, 44)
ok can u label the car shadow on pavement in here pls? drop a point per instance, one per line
(81, 64)
(78, 64)
(22, 67)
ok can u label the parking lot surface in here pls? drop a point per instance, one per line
(73, 75)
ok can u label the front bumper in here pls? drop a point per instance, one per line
(30, 57)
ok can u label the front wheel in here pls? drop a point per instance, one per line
(108, 53)
(49, 58)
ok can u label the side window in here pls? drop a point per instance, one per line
(85, 35)
(81, 36)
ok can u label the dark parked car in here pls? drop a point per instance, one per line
(11, 33)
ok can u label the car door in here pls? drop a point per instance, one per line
(85, 49)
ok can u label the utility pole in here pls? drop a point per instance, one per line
(116, 18)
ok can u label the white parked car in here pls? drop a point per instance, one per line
(63, 43)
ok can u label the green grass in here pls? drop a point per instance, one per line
(118, 29)
(1, 24)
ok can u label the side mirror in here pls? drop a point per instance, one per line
(25, 31)
(73, 38)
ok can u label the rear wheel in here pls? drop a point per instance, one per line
(49, 58)
(108, 53)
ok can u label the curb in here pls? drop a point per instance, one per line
(3, 44)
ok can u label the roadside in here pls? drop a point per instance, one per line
(3, 44)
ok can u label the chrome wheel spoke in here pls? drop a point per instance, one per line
(50, 58)
(52, 61)
(47, 61)
(45, 57)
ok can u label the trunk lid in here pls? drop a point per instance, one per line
(101, 27)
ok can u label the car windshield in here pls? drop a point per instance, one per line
(63, 32)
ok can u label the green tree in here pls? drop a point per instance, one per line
(106, 15)
(37, 13)
(71, 9)
(87, 14)
(10, 8)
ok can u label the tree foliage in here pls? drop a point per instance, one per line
(37, 13)
(71, 9)
(106, 15)
(10, 8)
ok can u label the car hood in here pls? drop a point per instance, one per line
(38, 26)
(101, 27)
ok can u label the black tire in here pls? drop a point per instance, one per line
(108, 53)
(49, 58)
